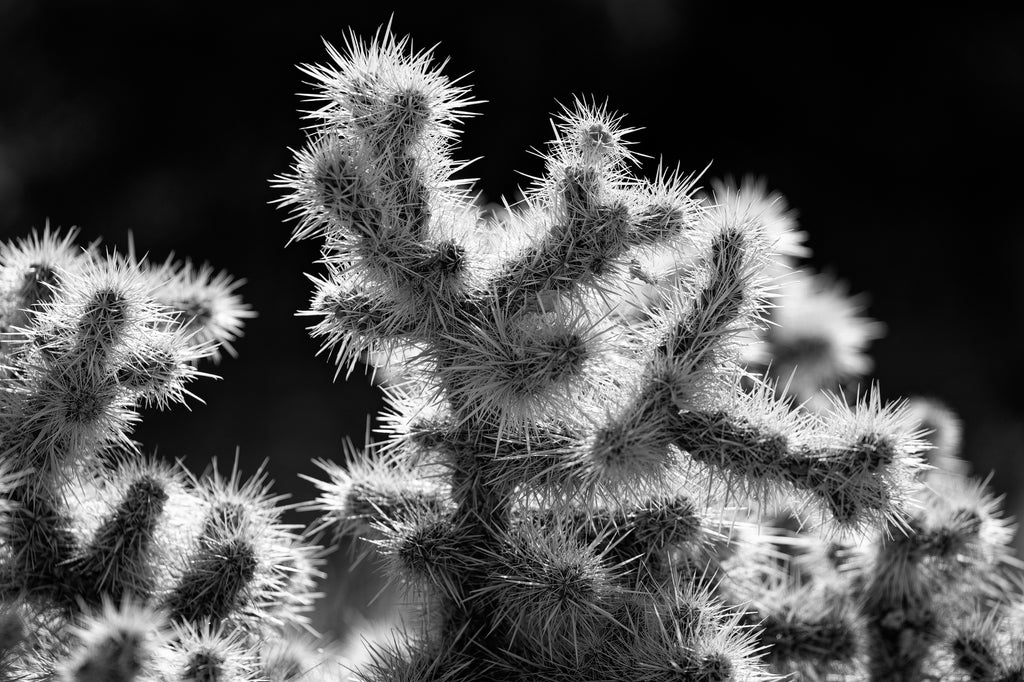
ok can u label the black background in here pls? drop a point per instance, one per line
(898, 139)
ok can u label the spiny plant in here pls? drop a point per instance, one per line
(116, 566)
(590, 474)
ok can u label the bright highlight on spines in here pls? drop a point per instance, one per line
(584, 475)
(119, 567)
(387, 90)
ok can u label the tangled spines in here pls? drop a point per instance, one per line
(625, 438)
(113, 565)
(594, 467)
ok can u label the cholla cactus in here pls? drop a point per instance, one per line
(114, 566)
(583, 480)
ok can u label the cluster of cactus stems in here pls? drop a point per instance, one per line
(610, 455)
(114, 565)
(612, 452)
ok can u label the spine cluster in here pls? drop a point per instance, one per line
(116, 566)
(585, 478)
(624, 441)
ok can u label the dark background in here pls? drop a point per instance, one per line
(897, 138)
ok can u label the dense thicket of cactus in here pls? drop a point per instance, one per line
(625, 440)
(116, 566)
(585, 479)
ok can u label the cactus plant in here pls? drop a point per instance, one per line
(117, 566)
(585, 477)
(625, 439)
